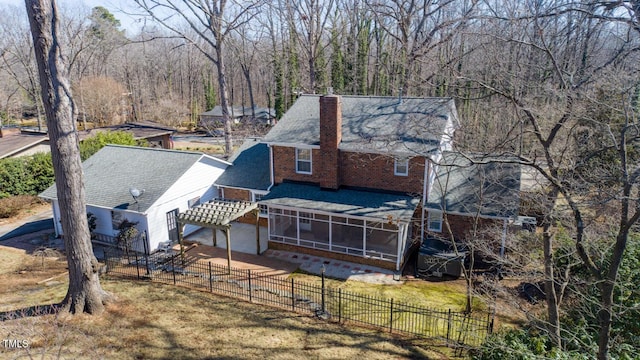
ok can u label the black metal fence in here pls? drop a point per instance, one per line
(452, 327)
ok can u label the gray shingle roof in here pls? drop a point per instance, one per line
(491, 189)
(379, 124)
(239, 111)
(344, 201)
(250, 167)
(110, 173)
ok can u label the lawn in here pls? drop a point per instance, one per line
(156, 321)
(442, 295)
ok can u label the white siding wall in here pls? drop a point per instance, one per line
(57, 225)
(197, 181)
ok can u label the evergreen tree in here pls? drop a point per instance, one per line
(279, 103)
(337, 63)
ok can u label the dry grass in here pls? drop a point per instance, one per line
(155, 321)
(14, 207)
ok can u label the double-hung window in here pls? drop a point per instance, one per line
(303, 161)
(434, 221)
(401, 167)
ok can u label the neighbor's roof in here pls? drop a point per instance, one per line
(378, 124)
(112, 171)
(490, 190)
(377, 205)
(250, 167)
(140, 130)
(239, 111)
(15, 143)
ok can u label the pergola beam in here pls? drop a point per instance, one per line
(218, 214)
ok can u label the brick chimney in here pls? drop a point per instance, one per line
(330, 137)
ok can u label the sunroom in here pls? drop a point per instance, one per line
(370, 225)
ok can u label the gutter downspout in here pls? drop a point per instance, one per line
(271, 173)
(424, 194)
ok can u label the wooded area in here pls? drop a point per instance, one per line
(552, 84)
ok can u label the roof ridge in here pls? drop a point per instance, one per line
(155, 149)
(447, 98)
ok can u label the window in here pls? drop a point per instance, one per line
(117, 218)
(401, 167)
(303, 161)
(193, 202)
(305, 221)
(434, 221)
(263, 208)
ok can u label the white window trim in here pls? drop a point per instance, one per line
(310, 162)
(430, 219)
(263, 208)
(406, 166)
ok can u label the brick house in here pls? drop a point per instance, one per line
(346, 176)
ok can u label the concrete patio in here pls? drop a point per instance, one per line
(276, 262)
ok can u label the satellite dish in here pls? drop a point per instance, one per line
(136, 193)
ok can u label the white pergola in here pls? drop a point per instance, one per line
(218, 214)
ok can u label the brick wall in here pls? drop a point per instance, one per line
(462, 226)
(333, 255)
(376, 171)
(237, 194)
(285, 165)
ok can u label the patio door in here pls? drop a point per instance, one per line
(172, 225)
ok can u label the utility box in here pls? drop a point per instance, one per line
(438, 258)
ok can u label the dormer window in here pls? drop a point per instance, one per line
(303, 161)
(401, 167)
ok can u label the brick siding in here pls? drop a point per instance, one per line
(333, 255)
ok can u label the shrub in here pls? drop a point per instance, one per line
(11, 206)
(27, 175)
(91, 145)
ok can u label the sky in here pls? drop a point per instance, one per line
(116, 7)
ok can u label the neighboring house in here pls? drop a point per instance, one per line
(213, 118)
(349, 174)
(170, 182)
(156, 136)
(16, 142)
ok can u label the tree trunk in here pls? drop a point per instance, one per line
(553, 313)
(224, 100)
(247, 76)
(85, 293)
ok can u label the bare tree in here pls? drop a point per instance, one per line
(210, 22)
(85, 293)
(551, 62)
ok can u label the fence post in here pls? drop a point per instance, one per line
(173, 269)
(448, 325)
(106, 261)
(210, 278)
(293, 296)
(137, 265)
(391, 317)
(339, 305)
(490, 318)
(250, 297)
(323, 291)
